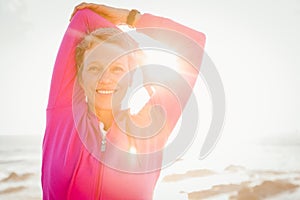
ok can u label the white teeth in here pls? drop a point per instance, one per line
(105, 91)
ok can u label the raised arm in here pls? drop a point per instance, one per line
(183, 41)
(64, 73)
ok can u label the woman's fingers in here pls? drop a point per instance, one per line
(114, 15)
(79, 7)
(83, 5)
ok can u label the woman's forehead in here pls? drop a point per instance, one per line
(106, 53)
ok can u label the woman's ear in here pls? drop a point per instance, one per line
(81, 84)
(79, 76)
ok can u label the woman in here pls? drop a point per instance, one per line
(92, 146)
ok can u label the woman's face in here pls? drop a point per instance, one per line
(103, 68)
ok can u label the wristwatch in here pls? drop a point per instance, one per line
(131, 17)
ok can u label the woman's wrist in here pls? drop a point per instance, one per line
(123, 16)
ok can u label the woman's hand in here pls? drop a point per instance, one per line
(116, 16)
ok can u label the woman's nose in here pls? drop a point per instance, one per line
(106, 78)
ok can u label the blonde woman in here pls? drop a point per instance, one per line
(83, 149)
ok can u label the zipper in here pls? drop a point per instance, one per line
(102, 148)
(103, 134)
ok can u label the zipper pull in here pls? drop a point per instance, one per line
(103, 132)
(103, 144)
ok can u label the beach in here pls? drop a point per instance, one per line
(233, 183)
(270, 172)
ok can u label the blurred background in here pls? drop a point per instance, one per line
(255, 47)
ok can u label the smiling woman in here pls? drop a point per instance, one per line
(93, 148)
(100, 69)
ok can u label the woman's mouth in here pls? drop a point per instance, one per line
(103, 91)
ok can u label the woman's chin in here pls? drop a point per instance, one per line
(103, 107)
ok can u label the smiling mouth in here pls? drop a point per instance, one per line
(100, 91)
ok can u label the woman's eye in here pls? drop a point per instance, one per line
(117, 69)
(94, 69)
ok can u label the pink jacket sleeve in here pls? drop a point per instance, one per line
(64, 73)
(151, 21)
(186, 42)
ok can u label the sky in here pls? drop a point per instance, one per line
(254, 45)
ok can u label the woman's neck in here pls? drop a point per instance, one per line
(106, 117)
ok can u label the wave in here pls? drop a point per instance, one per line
(10, 161)
(12, 189)
(13, 177)
(188, 174)
(245, 191)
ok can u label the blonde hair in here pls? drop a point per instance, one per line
(111, 35)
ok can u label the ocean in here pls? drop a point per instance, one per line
(20, 164)
(228, 173)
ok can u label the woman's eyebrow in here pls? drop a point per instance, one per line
(118, 64)
(97, 63)
(94, 62)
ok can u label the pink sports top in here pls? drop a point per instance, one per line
(71, 167)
